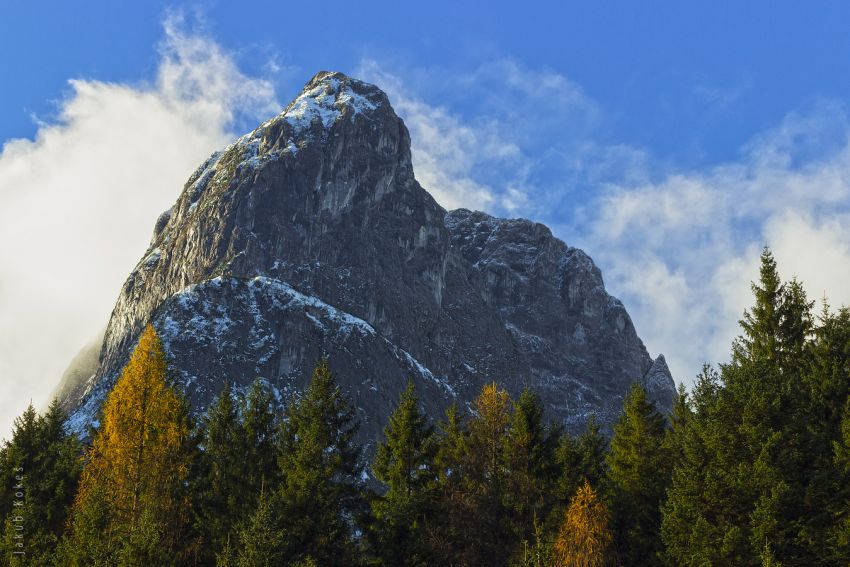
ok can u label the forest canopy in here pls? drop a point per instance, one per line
(751, 468)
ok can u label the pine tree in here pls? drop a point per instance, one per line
(319, 497)
(133, 481)
(405, 464)
(584, 539)
(639, 473)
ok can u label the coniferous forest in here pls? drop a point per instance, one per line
(752, 468)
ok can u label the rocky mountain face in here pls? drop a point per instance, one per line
(311, 237)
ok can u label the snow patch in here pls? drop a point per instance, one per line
(324, 102)
(528, 341)
(346, 322)
(424, 372)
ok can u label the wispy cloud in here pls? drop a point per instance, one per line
(446, 151)
(682, 250)
(489, 156)
(78, 202)
(721, 97)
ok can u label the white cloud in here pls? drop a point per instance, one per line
(683, 250)
(78, 202)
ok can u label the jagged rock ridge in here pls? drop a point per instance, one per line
(310, 236)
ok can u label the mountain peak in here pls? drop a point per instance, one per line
(333, 79)
(328, 97)
(310, 237)
(331, 106)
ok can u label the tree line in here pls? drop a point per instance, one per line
(751, 467)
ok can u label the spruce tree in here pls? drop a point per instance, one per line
(239, 460)
(837, 535)
(44, 461)
(16, 458)
(694, 526)
(768, 398)
(259, 439)
(319, 498)
(447, 529)
(221, 497)
(260, 540)
(639, 473)
(743, 492)
(827, 494)
(762, 323)
(91, 539)
(530, 470)
(680, 416)
(405, 464)
(578, 460)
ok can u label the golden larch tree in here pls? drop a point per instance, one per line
(584, 539)
(138, 461)
(490, 428)
(486, 517)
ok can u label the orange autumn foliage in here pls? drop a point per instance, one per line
(137, 458)
(584, 539)
(494, 415)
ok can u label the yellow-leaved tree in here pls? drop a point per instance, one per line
(584, 539)
(131, 505)
(485, 473)
(490, 428)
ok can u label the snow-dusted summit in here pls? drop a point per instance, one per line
(310, 236)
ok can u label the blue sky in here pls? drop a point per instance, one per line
(692, 81)
(669, 140)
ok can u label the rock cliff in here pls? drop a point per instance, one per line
(311, 237)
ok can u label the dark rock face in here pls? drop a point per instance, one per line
(310, 236)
